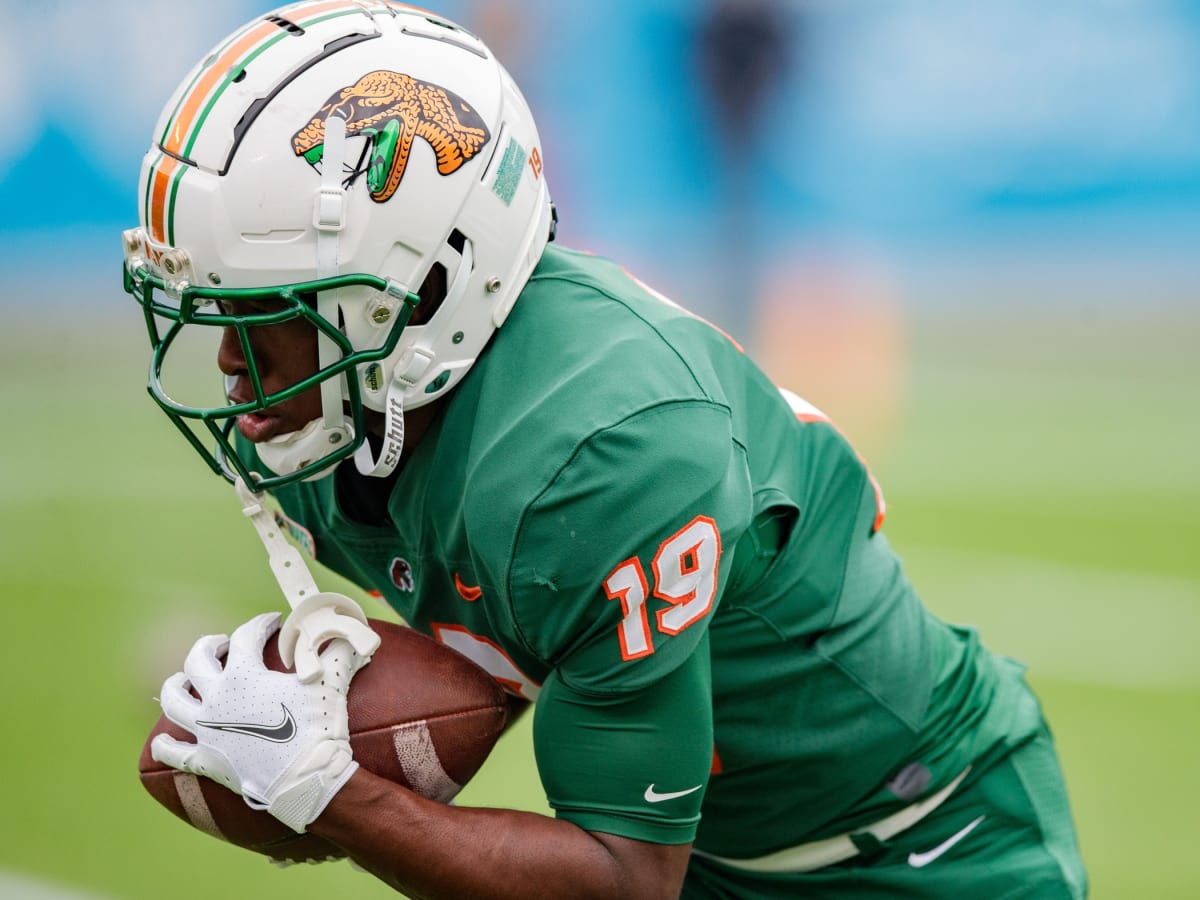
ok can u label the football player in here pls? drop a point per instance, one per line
(557, 471)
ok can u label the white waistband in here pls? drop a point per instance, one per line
(819, 854)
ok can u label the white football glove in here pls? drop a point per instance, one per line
(282, 744)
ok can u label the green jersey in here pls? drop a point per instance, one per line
(619, 516)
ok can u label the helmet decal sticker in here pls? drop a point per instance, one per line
(392, 110)
(508, 175)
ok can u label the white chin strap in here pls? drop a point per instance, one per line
(393, 441)
(291, 452)
(329, 218)
(287, 453)
(316, 615)
(408, 373)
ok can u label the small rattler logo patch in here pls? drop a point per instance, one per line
(392, 110)
(402, 575)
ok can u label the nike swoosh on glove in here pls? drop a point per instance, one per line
(282, 744)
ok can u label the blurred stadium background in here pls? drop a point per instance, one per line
(967, 230)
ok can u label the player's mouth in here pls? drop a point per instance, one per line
(257, 427)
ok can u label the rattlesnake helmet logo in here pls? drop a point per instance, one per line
(393, 109)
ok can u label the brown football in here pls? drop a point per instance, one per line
(421, 715)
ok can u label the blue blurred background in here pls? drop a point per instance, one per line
(967, 230)
(964, 150)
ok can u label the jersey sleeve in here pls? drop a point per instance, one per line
(637, 764)
(620, 562)
(620, 568)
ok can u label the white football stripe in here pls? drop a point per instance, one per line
(191, 795)
(419, 760)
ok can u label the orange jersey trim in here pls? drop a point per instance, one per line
(880, 502)
(470, 594)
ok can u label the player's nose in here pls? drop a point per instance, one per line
(231, 355)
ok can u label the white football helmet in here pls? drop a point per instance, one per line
(327, 156)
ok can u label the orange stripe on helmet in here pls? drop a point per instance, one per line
(417, 9)
(160, 181)
(309, 7)
(190, 108)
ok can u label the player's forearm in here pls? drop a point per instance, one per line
(430, 850)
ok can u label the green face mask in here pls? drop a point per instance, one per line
(167, 315)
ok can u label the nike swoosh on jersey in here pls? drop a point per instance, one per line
(652, 796)
(919, 860)
(279, 734)
(470, 594)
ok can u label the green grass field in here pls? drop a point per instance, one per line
(1044, 487)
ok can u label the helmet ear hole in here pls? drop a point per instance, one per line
(432, 294)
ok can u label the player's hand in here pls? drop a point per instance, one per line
(282, 744)
(317, 619)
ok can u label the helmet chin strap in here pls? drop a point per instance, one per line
(329, 219)
(408, 373)
(289, 452)
(393, 440)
